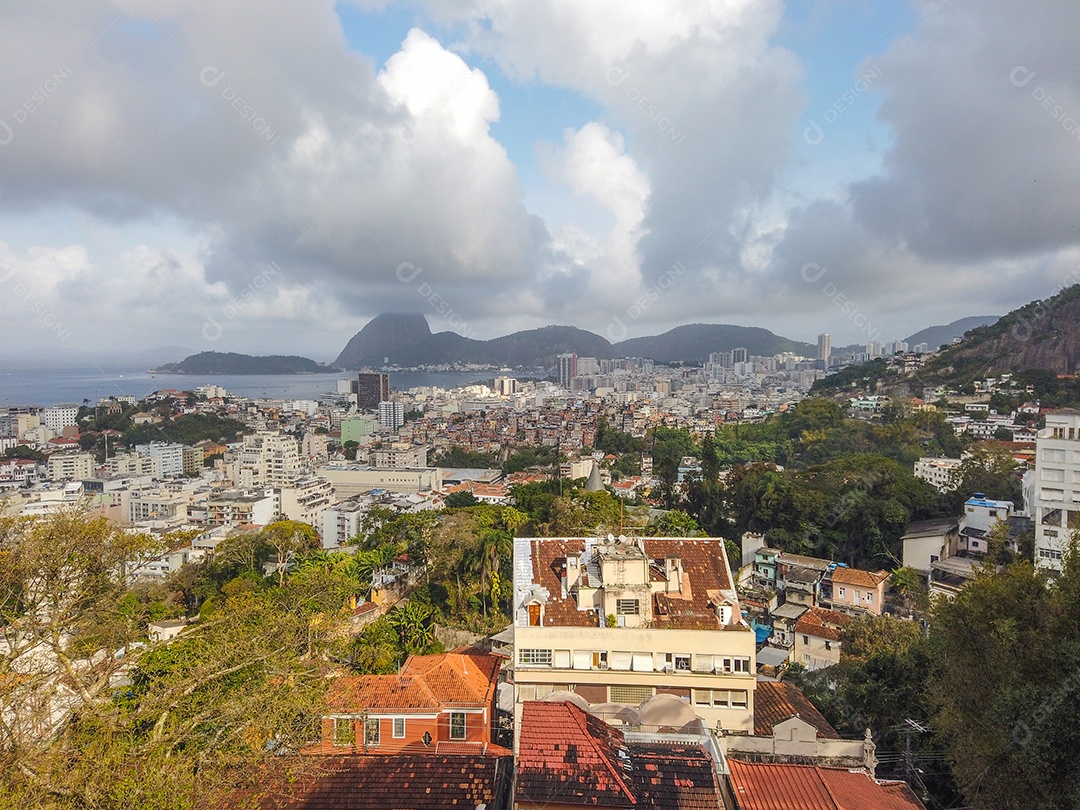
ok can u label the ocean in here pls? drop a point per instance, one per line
(21, 384)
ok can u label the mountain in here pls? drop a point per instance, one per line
(695, 342)
(1042, 336)
(232, 363)
(937, 336)
(406, 340)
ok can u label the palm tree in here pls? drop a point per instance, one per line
(413, 623)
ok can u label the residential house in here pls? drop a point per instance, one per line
(799, 577)
(620, 620)
(570, 758)
(927, 541)
(981, 516)
(436, 703)
(817, 638)
(852, 590)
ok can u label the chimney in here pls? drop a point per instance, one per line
(674, 573)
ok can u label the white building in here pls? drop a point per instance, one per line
(341, 522)
(1056, 487)
(268, 459)
(938, 472)
(391, 415)
(352, 479)
(621, 620)
(168, 458)
(59, 417)
(401, 456)
(306, 499)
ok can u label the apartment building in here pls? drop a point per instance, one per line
(938, 472)
(306, 500)
(168, 459)
(70, 466)
(1055, 503)
(618, 621)
(267, 458)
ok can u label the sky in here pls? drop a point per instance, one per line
(266, 177)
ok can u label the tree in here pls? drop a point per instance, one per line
(675, 523)
(289, 539)
(463, 498)
(1004, 686)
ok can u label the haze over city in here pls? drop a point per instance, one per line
(267, 177)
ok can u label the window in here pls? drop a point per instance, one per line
(680, 663)
(738, 665)
(371, 731)
(457, 725)
(399, 728)
(721, 698)
(627, 607)
(869, 597)
(534, 657)
(841, 593)
(344, 732)
(806, 639)
(828, 645)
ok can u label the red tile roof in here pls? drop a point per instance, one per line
(858, 577)
(704, 570)
(766, 786)
(776, 702)
(413, 781)
(425, 683)
(567, 756)
(822, 623)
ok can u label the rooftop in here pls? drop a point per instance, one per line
(569, 756)
(378, 782)
(822, 623)
(540, 567)
(858, 577)
(761, 786)
(776, 702)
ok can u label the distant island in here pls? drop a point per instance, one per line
(233, 363)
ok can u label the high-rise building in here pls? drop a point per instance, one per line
(268, 459)
(391, 415)
(371, 389)
(1056, 487)
(59, 417)
(824, 347)
(567, 368)
(740, 355)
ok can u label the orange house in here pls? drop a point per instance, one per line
(437, 703)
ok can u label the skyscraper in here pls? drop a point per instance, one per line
(824, 347)
(371, 389)
(567, 368)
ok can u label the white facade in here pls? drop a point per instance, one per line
(59, 417)
(306, 500)
(168, 459)
(341, 522)
(268, 459)
(391, 415)
(938, 472)
(1056, 487)
(352, 479)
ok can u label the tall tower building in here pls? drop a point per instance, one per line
(1055, 490)
(740, 355)
(567, 368)
(824, 347)
(371, 389)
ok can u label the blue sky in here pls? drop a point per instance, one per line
(540, 163)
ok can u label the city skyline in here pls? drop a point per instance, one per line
(266, 179)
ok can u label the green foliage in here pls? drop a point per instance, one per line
(187, 429)
(615, 441)
(459, 499)
(527, 458)
(1004, 687)
(668, 447)
(24, 451)
(675, 523)
(459, 457)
